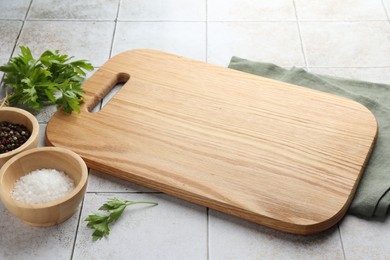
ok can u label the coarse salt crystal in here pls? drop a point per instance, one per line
(41, 186)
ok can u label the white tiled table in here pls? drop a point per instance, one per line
(344, 38)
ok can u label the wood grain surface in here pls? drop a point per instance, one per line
(277, 154)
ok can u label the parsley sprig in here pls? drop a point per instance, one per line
(50, 79)
(115, 207)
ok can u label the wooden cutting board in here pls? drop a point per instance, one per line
(277, 154)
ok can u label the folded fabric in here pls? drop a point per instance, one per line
(372, 198)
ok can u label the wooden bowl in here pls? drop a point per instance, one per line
(20, 116)
(50, 213)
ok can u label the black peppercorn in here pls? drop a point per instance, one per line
(12, 136)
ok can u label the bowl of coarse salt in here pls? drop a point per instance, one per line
(19, 131)
(43, 186)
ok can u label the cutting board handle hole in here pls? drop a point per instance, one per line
(101, 99)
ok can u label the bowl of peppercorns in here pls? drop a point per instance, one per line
(19, 131)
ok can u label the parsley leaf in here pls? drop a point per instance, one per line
(115, 207)
(51, 79)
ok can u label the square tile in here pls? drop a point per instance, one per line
(180, 38)
(260, 41)
(163, 10)
(335, 10)
(11, 9)
(346, 44)
(9, 31)
(174, 229)
(102, 182)
(248, 10)
(83, 40)
(70, 9)
(21, 241)
(376, 75)
(234, 238)
(365, 239)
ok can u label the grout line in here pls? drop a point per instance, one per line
(17, 37)
(77, 228)
(11, 19)
(196, 21)
(21, 29)
(158, 21)
(114, 32)
(341, 240)
(387, 14)
(300, 35)
(112, 45)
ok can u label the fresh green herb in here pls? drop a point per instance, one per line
(115, 207)
(51, 79)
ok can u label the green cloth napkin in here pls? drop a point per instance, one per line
(372, 198)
